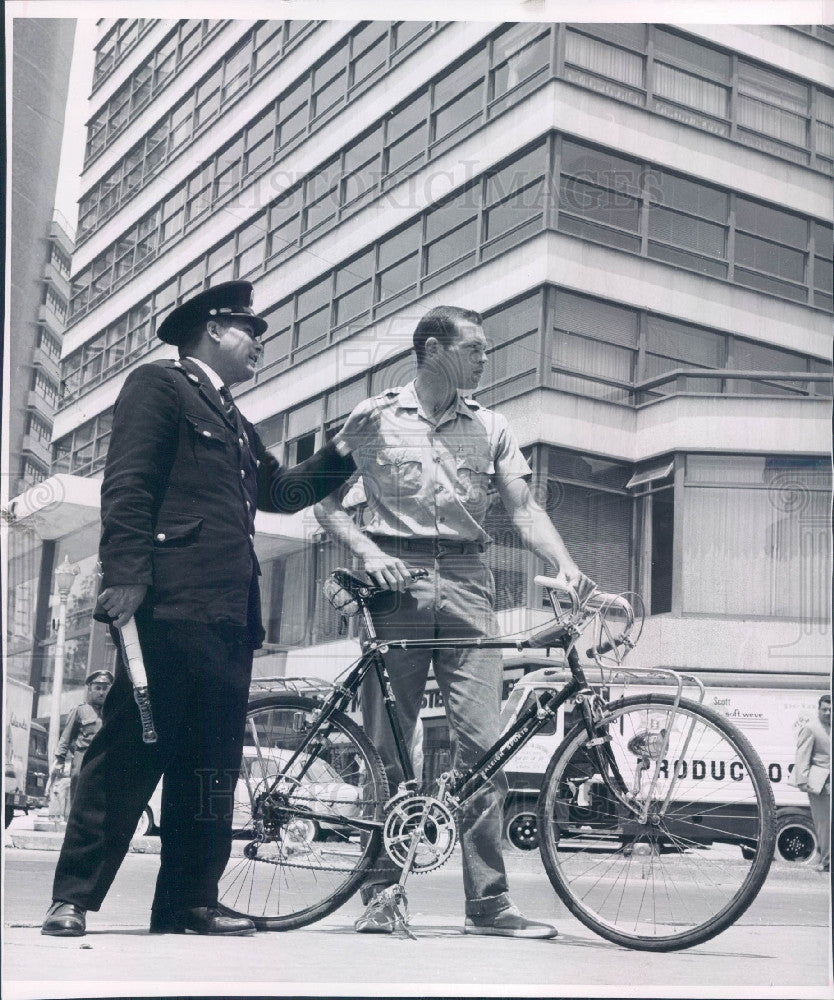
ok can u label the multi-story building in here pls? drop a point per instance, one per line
(642, 213)
(39, 267)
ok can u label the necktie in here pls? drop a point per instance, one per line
(228, 402)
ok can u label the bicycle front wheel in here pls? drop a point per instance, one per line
(666, 870)
(298, 852)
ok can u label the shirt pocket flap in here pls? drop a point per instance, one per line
(173, 530)
(211, 431)
(475, 463)
(399, 456)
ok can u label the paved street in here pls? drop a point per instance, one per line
(780, 945)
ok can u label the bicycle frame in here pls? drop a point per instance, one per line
(463, 785)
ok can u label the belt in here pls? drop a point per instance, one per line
(438, 547)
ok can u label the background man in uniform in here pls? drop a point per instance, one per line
(427, 456)
(812, 774)
(184, 475)
(82, 725)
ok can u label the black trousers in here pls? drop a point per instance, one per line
(198, 681)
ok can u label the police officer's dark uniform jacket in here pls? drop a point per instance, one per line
(182, 482)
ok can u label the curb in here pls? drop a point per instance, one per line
(33, 840)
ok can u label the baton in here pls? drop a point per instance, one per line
(135, 663)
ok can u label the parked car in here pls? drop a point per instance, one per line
(322, 785)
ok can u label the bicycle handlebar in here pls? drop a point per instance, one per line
(596, 600)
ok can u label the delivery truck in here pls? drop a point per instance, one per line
(768, 708)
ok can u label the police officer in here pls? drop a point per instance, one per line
(185, 473)
(82, 725)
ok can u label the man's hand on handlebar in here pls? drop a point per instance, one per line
(570, 577)
(387, 572)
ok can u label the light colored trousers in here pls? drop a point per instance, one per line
(455, 601)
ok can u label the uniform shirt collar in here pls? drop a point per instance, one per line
(211, 374)
(407, 399)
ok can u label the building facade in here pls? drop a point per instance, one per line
(643, 215)
(39, 271)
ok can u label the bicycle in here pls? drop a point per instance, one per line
(636, 843)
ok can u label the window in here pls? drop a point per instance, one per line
(688, 223)
(691, 75)
(277, 340)
(251, 246)
(599, 196)
(329, 86)
(513, 335)
(520, 58)
(354, 289)
(43, 386)
(763, 520)
(458, 98)
(592, 510)
(398, 267)
(451, 237)
(672, 345)
(594, 347)
(313, 323)
(514, 200)
(771, 249)
(236, 70)
(593, 61)
(39, 429)
(48, 344)
(368, 52)
(406, 134)
(772, 104)
(823, 275)
(259, 142)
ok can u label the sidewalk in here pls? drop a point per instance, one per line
(21, 834)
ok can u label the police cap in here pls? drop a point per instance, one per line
(224, 301)
(103, 675)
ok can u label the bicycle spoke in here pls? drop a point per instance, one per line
(283, 872)
(679, 876)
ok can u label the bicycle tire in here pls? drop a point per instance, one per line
(282, 876)
(613, 875)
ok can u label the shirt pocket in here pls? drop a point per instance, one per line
(399, 471)
(206, 432)
(473, 477)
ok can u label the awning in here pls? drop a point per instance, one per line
(650, 473)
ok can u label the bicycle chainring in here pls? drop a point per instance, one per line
(436, 839)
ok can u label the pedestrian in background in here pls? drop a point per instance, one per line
(82, 725)
(812, 775)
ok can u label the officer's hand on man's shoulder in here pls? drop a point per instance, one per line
(121, 602)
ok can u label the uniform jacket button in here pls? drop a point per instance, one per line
(161, 536)
(207, 434)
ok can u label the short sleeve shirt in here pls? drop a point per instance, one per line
(425, 478)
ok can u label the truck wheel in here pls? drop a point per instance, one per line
(796, 839)
(521, 827)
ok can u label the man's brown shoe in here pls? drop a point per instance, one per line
(508, 923)
(65, 920)
(200, 920)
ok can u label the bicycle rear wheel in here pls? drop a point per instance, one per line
(678, 876)
(298, 853)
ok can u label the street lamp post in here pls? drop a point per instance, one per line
(64, 575)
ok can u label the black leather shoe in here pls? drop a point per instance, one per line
(200, 920)
(65, 920)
